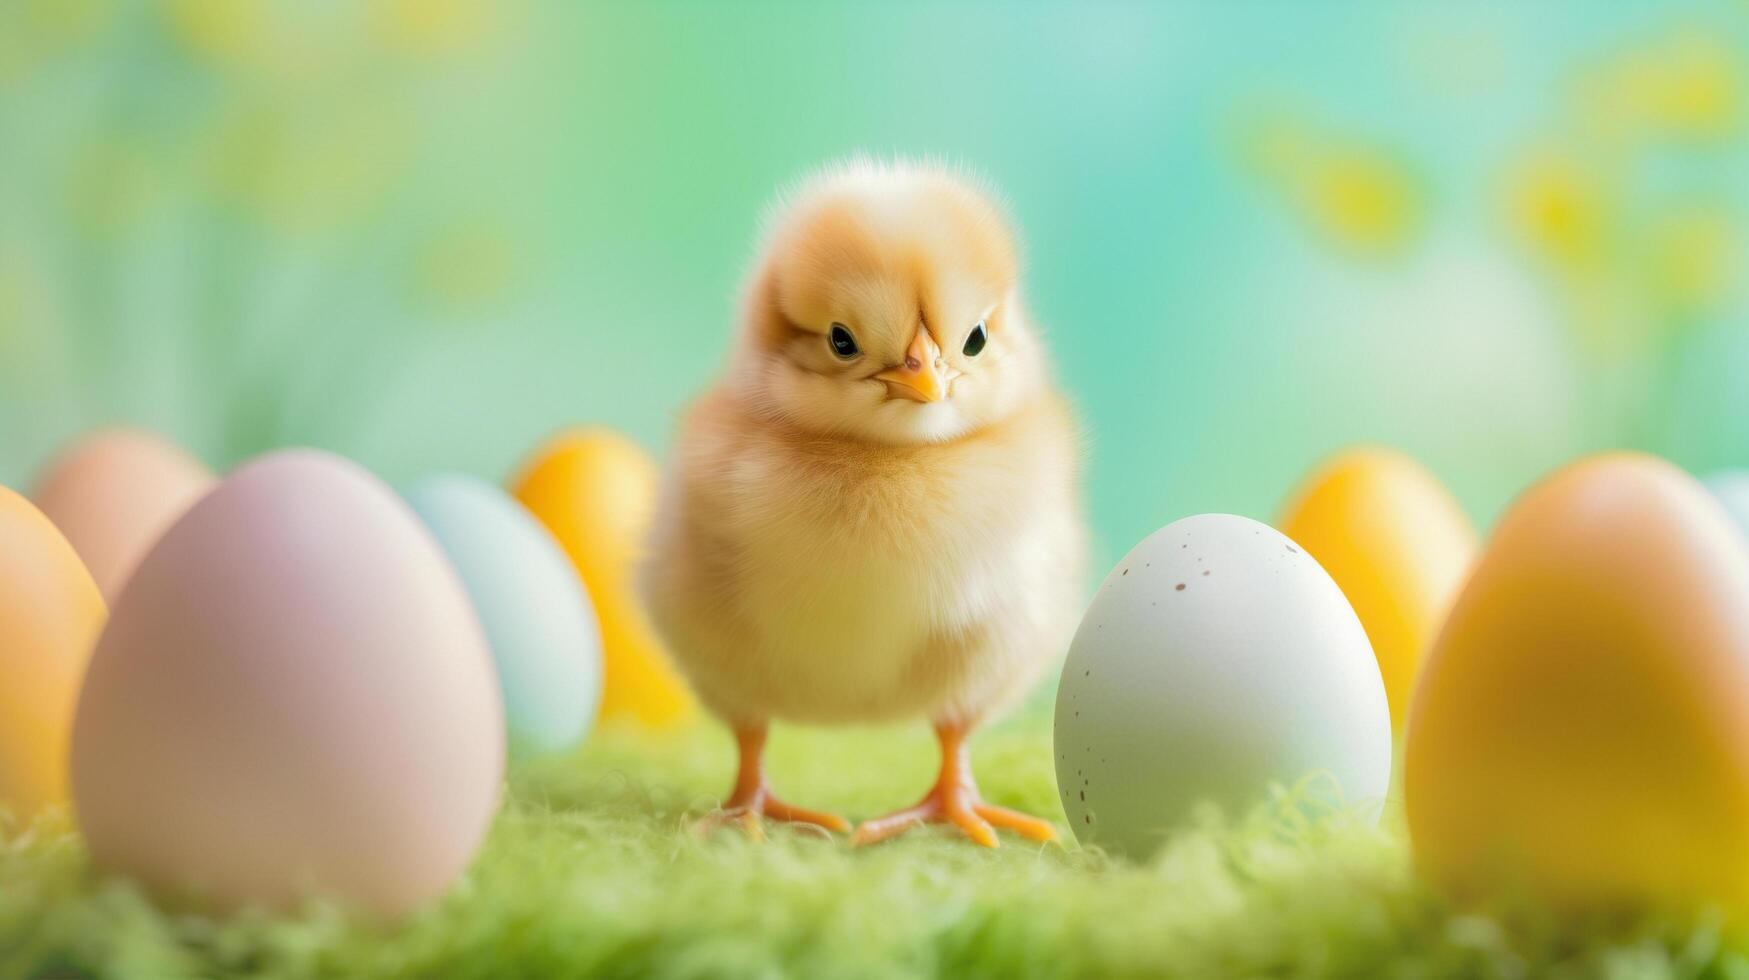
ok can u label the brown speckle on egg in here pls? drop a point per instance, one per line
(1179, 587)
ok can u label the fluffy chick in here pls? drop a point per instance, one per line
(874, 513)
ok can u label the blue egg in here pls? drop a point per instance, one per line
(1732, 489)
(535, 610)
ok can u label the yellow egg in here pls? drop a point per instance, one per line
(596, 493)
(1397, 544)
(50, 615)
(113, 493)
(1581, 730)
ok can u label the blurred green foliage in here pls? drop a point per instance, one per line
(426, 233)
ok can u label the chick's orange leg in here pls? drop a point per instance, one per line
(955, 800)
(751, 798)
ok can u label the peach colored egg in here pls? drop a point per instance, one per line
(50, 613)
(293, 697)
(113, 492)
(1581, 728)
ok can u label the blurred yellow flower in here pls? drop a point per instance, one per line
(33, 31)
(466, 266)
(1592, 201)
(1696, 259)
(314, 165)
(1560, 207)
(435, 28)
(1687, 85)
(273, 41)
(228, 31)
(1366, 200)
(1358, 196)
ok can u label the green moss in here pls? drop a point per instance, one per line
(591, 870)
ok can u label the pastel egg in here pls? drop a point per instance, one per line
(50, 614)
(1217, 659)
(1731, 487)
(1396, 543)
(293, 697)
(529, 599)
(113, 492)
(1581, 729)
(596, 493)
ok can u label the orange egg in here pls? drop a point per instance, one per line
(596, 493)
(50, 615)
(1581, 729)
(113, 493)
(1398, 545)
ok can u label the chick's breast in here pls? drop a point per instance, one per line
(826, 581)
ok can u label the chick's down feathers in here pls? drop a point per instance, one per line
(873, 515)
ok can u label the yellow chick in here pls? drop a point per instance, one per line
(874, 514)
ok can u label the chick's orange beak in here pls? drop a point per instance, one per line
(921, 377)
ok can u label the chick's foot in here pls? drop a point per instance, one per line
(955, 800)
(751, 799)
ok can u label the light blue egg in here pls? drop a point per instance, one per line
(535, 610)
(1732, 489)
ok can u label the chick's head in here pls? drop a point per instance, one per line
(886, 308)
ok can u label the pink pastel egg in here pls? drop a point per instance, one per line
(113, 492)
(293, 697)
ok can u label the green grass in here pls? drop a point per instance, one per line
(590, 871)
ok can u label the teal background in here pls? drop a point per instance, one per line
(426, 234)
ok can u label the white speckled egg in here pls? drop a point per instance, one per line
(1217, 659)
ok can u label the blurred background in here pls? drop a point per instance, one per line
(425, 233)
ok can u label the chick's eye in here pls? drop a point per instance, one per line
(976, 340)
(843, 344)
